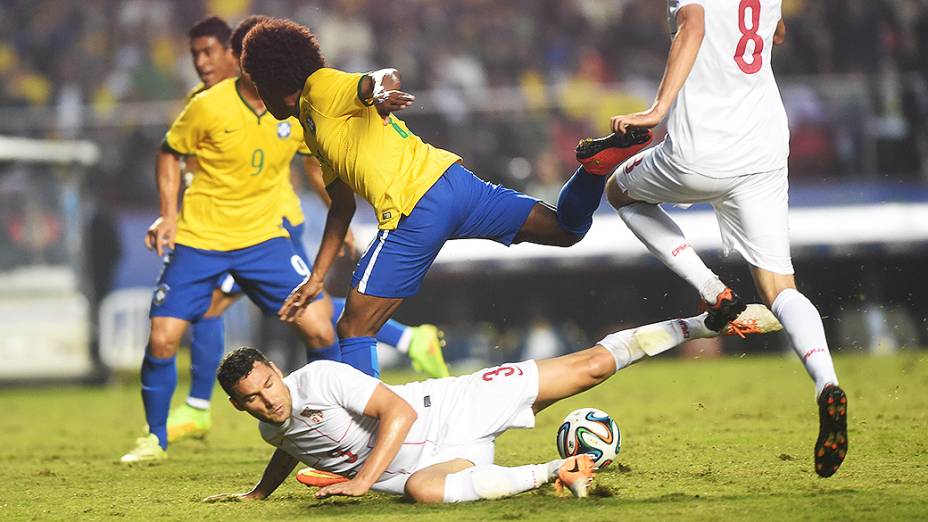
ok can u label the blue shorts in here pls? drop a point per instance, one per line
(267, 272)
(458, 206)
(227, 283)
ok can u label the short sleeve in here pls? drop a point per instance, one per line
(189, 129)
(338, 93)
(330, 382)
(674, 6)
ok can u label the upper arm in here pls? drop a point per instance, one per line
(336, 93)
(385, 400)
(691, 18)
(189, 129)
(339, 191)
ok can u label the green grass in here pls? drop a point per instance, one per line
(703, 439)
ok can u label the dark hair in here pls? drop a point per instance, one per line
(280, 54)
(237, 364)
(212, 26)
(238, 35)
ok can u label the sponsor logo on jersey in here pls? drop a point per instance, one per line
(283, 130)
(631, 165)
(314, 416)
(310, 124)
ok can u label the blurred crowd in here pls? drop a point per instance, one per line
(510, 85)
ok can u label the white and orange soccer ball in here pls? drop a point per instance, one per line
(591, 431)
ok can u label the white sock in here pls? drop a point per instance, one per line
(803, 323)
(660, 233)
(405, 339)
(490, 481)
(200, 404)
(630, 346)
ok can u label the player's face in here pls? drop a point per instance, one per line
(212, 61)
(282, 107)
(263, 394)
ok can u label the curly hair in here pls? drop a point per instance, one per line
(280, 54)
(241, 30)
(211, 26)
(236, 365)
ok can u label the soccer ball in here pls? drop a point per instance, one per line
(592, 431)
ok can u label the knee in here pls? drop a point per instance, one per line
(421, 490)
(599, 365)
(614, 194)
(318, 334)
(161, 343)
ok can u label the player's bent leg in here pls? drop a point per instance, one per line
(315, 324)
(428, 484)
(543, 228)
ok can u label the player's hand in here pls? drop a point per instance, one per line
(233, 497)
(161, 234)
(299, 299)
(392, 101)
(351, 488)
(640, 120)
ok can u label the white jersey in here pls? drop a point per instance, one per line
(728, 119)
(328, 430)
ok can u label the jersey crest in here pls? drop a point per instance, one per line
(283, 130)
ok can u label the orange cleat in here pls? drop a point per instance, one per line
(600, 156)
(728, 306)
(317, 478)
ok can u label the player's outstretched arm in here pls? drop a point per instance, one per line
(336, 227)
(278, 469)
(396, 418)
(314, 176)
(381, 88)
(167, 177)
(691, 26)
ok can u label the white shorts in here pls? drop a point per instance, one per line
(467, 413)
(752, 210)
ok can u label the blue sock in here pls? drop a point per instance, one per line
(329, 353)
(207, 345)
(390, 333)
(159, 378)
(579, 198)
(361, 353)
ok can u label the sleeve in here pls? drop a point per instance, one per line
(339, 384)
(189, 129)
(339, 93)
(674, 6)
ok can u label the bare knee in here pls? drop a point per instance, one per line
(421, 489)
(163, 342)
(599, 365)
(614, 194)
(315, 325)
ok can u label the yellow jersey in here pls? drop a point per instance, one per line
(385, 163)
(243, 162)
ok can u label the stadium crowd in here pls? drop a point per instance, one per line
(511, 92)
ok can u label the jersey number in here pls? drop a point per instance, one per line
(352, 458)
(749, 35)
(502, 371)
(257, 161)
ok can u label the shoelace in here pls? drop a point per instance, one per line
(742, 328)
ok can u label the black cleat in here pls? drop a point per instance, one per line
(600, 156)
(728, 306)
(831, 446)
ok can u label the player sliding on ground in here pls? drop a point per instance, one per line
(422, 195)
(432, 441)
(727, 144)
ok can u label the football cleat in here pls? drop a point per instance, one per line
(756, 319)
(146, 449)
(728, 306)
(185, 422)
(576, 474)
(425, 351)
(831, 445)
(317, 478)
(600, 156)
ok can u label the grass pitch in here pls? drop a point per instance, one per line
(703, 439)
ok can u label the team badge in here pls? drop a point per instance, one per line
(310, 124)
(161, 294)
(314, 416)
(283, 130)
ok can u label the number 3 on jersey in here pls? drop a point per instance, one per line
(749, 35)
